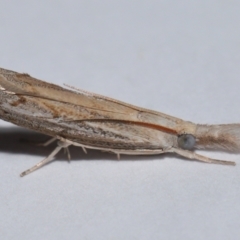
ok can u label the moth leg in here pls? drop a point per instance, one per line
(48, 142)
(193, 155)
(84, 149)
(66, 151)
(47, 159)
(66, 141)
(37, 143)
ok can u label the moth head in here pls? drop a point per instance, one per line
(186, 141)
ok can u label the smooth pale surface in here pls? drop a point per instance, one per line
(178, 57)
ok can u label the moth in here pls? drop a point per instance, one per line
(91, 121)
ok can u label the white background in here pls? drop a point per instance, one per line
(178, 57)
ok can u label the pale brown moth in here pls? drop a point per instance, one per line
(79, 118)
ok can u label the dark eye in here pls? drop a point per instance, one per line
(186, 141)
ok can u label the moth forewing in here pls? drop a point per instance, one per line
(93, 121)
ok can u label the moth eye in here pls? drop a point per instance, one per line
(186, 141)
